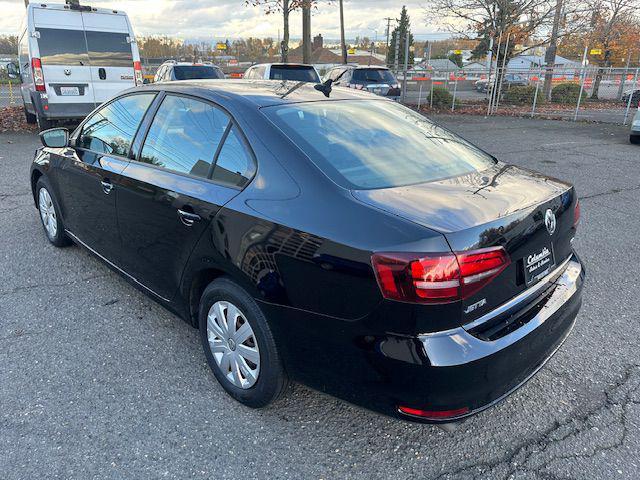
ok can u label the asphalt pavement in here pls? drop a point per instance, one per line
(97, 381)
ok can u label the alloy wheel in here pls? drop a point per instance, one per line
(233, 344)
(48, 213)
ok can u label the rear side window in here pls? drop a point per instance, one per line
(184, 136)
(191, 72)
(107, 49)
(234, 166)
(370, 75)
(62, 47)
(293, 72)
(112, 128)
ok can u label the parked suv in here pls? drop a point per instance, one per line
(298, 72)
(378, 80)
(172, 70)
(72, 58)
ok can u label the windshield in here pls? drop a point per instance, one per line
(367, 144)
(370, 75)
(193, 72)
(296, 73)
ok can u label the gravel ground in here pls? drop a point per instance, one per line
(98, 381)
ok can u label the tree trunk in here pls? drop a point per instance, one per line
(550, 54)
(343, 45)
(306, 32)
(598, 79)
(284, 46)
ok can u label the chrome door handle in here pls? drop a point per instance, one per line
(188, 218)
(107, 186)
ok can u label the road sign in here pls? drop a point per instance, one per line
(595, 51)
(351, 51)
(457, 52)
(221, 46)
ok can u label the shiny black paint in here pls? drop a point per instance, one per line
(301, 245)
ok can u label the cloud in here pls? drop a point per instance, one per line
(221, 19)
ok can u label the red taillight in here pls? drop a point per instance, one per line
(434, 414)
(437, 277)
(576, 214)
(38, 76)
(355, 85)
(137, 70)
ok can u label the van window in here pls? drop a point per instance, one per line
(108, 49)
(62, 47)
(184, 136)
(112, 128)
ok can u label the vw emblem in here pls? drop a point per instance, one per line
(550, 221)
(67, 72)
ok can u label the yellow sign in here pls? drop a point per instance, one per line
(457, 52)
(596, 51)
(221, 46)
(351, 51)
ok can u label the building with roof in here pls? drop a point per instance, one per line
(534, 62)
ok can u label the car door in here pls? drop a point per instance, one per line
(89, 174)
(174, 188)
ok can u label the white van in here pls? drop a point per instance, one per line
(72, 58)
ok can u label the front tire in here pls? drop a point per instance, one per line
(239, 345)
(50, 214)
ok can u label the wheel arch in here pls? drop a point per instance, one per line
(195, 287)
(35, 176)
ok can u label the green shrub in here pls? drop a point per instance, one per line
(521, 95)
(566, 93)
(441, 98)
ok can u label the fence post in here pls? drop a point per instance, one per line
(419, 94)
(10, 93)
(633, 89)
(535, 97)
(455, 89)
(431, 95)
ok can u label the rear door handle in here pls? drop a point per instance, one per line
(107, 186)
(188, 218)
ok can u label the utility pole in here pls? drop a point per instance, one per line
(343, 45)
(550, 54)
(306, 32)
(388, 19)
(406, 64)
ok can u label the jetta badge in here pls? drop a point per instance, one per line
(550, 221)
(67, 72)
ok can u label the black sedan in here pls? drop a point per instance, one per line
(322, 235)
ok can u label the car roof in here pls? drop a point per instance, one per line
(260, 93)
(280, 64)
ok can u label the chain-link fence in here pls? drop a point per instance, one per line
(593, 94)
(9, 90)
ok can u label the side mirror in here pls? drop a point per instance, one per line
(55, 138)
(12, 70)
(146, 81)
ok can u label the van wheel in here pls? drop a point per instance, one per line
(239, 345)
(44, 123)
(31, 118)
(634, 139)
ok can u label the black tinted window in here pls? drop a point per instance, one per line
(234, 166)
(370, 75)
(62, 47)
(112, 128)
(184, 135)
(295, 72)
(189, 72)
(108, 49)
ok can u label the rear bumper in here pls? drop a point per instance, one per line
(449, 370)
(59, 111)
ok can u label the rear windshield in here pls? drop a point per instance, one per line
(367, 144)
(191, 72)
(369, 75)
(293, 72)
(76, 47)
(62, 47)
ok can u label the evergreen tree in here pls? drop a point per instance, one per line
(399, 35)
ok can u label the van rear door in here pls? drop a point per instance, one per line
(62, 51)
(111, 53)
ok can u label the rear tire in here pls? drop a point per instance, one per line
(634, 139)
(44, 123)
(243, 358)
(30, 117)
(49, 210)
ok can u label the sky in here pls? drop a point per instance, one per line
(220, 19)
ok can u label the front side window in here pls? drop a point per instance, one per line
(184, 136)
(111, 129)
(367, 144)
(108, 49)
(234, 167)
(62, 47)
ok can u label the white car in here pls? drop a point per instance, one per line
(72, 58)
(634, 136)
(297, 72)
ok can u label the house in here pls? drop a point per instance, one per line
(534, 62)
(441, 65)
(474, 67)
